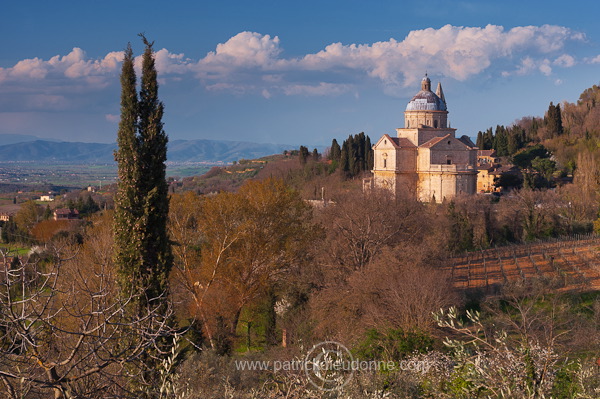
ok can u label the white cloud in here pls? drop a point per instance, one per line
(456, 52)
(595, 60)
(251, 62)
(266, 93)
(322, 89)
(112, 118)
(34, 68)
(565, 61)
(545, 67)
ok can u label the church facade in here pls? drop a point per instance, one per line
(425, 158)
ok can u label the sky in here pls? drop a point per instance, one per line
(291, 72)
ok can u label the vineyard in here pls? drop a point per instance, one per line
(573, 263)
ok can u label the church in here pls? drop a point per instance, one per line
(425, 159)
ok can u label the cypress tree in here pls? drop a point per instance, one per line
(501, 141)
(142, 248)
(345, 157)
(335, 152)
(350, 144)
(156, 248)
(369, 156)
(303, 155)
(127, 229)
(488, 139)
(479, 142)
(315, 155)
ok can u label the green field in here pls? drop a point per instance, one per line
(73, 175)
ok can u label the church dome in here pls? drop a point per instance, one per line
(426, 100)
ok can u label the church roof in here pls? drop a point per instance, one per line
(434, 141)
(467, 141)
(426, 100)
(398, 142)
(402, 142)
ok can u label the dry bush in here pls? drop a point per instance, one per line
(380, 265)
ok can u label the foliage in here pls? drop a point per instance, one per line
(335, 151)
(249, 240)
(356, 155)
(303, 155)
(460, 237)
(524, 158)
(142, 250)
(395, 344)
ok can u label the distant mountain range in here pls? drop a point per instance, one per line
(19, 138)
(208, 151)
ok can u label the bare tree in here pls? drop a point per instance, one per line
(65, 332)
(360, 225)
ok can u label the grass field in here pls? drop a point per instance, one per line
(573, 262)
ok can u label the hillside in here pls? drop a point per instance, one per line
(208, 151)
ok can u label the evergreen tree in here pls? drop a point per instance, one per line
(369, 155)
(90, 206)
(345, 157)
(335, 152)
(357, 154)
(488, 139)
(553, 120)
(142, 248)
(156, 248)
(479, 142)
(501, 141)
(460, 237)
(315, 155)
(127, 228)
(352, 161)
(47, 213)
(303, 154)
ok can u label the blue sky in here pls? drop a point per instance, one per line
(292, 72)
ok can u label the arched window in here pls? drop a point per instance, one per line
(435, 124)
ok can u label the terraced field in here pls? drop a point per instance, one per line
(574, 262)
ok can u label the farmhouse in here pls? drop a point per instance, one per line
(66, 214)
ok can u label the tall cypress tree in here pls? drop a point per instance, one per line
(155, 247)
(142, 248)
(127, 228)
